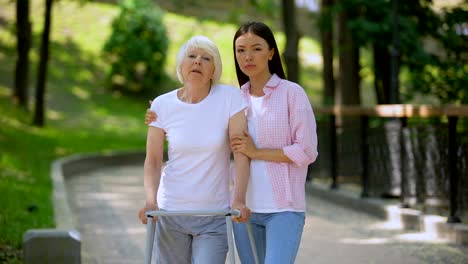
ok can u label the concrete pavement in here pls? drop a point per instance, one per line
(105, 201)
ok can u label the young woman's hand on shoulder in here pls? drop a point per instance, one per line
(150, 116)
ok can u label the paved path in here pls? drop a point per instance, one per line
(105, 203)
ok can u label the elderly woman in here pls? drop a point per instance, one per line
(198, 121)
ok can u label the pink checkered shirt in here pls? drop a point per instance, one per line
(287, 123)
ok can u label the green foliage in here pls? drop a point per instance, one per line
(441, 72)
(370, 21)
(137, 48)
(267, 7)
(82, 116)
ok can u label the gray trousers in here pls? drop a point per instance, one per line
(190, 239)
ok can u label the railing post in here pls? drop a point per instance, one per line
(403, 175)
(333, 153)
(364, 156)
(453, 171)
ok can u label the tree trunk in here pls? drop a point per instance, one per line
(326, 130)
(349, 80)
(23, 44)
(42, 71)
(347, 93)
(292, 40)
(382, 73)
(394, 94)
(326, 31)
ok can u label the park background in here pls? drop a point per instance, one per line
(82, 113)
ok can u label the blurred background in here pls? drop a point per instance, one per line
(76, 77)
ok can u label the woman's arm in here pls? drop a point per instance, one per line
(152, 168)
(237, 124)
(303, 148)
(244, 144)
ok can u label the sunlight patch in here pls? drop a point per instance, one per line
(118, 79)
(85, 75)
(54, 115)
(4, 91)
(312, 59)
(431, 221)
(421, 237)
(367, 241)
(393, 221)
(60, 151)
(7, 39)
(113, 231)
(80, 93)
(9, 171)
(16, 124)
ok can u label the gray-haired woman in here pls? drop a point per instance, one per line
(198, 121)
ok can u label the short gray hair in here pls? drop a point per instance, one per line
(206, 44)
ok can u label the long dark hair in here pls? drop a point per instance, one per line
(263, 31)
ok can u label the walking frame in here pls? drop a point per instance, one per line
(150, 227)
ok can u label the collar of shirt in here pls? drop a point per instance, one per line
(268, 89)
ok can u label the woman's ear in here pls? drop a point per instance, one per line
(272, 52)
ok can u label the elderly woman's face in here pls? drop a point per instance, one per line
(197, 66)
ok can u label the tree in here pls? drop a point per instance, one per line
(292, 40)
(348, 89)
(137, 49)
(42, 71)
(394, 95)
(441, 72)
(326, 33)
(269, 8)
(23, 43)
(349, 80)
(444, 72)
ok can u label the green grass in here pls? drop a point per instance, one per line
(82, 116)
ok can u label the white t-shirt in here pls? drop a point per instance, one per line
(196, 175)
(259, 197)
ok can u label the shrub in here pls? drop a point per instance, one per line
(137, 48)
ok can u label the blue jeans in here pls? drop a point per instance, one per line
(277, 237)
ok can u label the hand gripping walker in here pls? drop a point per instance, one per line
(150, 227)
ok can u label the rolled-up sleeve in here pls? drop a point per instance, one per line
(303, 150)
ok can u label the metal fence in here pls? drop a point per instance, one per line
(420, 159)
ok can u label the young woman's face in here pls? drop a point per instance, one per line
(253, 54)
(197, 65)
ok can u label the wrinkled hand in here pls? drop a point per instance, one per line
(150, 116)
(142, 216)
(244, 210)
(243, 144)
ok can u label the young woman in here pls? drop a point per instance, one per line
(281, 142)
(197, 120)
